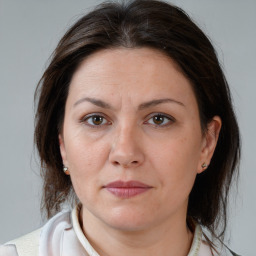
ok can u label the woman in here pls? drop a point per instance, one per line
(134, 125)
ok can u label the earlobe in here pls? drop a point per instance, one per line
(209, 142)
(63, 150)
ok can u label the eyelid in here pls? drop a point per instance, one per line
(148, 117)
(86, 117)
(171, 118)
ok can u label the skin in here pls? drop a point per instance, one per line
(130, 142)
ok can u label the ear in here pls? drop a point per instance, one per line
(210, 140)
(63, 150)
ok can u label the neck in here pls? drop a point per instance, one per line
(169, 238)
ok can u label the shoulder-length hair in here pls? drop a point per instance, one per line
(135, 24)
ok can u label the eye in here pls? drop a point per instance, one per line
(160, 120)
(95, 120)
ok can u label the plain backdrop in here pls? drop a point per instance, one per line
(29, 32)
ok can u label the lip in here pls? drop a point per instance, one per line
(127, 189)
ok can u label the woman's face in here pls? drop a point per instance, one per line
(132, 138)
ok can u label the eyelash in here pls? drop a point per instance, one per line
(88, 117)
(167, 118)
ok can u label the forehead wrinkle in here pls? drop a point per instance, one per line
(157, 102)
(97, 102)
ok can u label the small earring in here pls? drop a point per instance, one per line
(204, 165)
(65, 170)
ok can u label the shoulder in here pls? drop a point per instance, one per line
(25, 245)
(216, 248)
(202, 245)
(28, 245)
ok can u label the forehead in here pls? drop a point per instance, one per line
(140, 73)
(127, 60)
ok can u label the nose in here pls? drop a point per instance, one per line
(126, 149)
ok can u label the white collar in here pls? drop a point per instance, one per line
(194, 251)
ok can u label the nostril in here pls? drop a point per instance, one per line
(126, 165)
(130, 164)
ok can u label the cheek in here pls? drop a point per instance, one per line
(176, 161)
(83, 149)
(86, 159)
(86, 163)
(180, 152)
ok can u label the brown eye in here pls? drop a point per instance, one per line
(159, 119)
(95, 120)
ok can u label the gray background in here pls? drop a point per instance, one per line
(30, 30)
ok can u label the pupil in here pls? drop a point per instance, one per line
(158, 119)
(97, 120)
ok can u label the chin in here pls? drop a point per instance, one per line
(128, 220)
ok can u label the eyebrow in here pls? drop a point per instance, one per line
(94, 101)
(157, 102)
(142, 106)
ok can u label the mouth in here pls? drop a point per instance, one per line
(127, 189)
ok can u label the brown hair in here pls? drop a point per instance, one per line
(135, 24)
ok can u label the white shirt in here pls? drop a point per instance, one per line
(63, 236)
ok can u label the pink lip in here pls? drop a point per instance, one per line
(127, 189)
